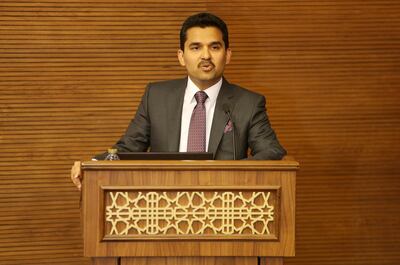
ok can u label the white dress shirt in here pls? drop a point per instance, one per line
(189, 102)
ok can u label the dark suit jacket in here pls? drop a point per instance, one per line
(157, 123)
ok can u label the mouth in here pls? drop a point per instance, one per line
(206, 67)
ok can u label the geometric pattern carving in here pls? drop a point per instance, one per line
(188, 213)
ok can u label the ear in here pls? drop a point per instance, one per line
(228, 56)
(180, 57)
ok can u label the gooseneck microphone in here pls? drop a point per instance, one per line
(227, 110)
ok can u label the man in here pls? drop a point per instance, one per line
(203, 111)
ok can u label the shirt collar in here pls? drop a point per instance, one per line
(212, 91)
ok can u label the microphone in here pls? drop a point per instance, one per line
(227, 110)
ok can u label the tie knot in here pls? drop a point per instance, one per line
(200, 97)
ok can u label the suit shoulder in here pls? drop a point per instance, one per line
(167, 85)
(244, 92)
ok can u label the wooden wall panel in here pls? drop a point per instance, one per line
(330, 71)
(72, 73)
(71, 76)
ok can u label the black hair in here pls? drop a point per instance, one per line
(204, 20)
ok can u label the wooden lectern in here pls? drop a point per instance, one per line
(189, 212)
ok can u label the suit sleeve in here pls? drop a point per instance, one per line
(137, 135)
(262, 139)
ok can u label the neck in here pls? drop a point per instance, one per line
(204, 84)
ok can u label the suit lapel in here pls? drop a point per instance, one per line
(220, 119)
(174, 115)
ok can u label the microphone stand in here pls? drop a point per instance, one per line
(228, 112)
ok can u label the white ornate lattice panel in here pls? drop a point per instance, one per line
(130, 214)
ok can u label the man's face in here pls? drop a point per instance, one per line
(205, 55)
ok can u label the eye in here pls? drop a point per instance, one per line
(215, 47)
(194, 48)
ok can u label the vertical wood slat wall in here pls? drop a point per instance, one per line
(72, 73)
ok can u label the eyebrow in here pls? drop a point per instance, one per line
(216, 42)
(199, 43)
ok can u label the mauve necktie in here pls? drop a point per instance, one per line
(197, 127)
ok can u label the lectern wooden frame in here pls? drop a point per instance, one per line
(189, 212)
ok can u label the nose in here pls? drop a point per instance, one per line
(205, 55)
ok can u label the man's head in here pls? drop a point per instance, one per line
(204, 48)
(203, 20)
